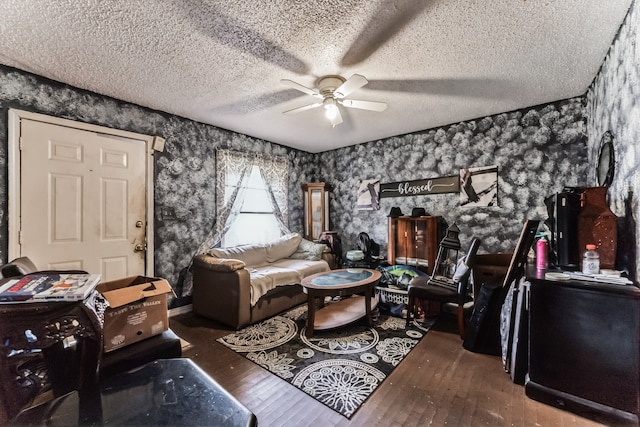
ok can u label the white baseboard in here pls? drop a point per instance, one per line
(180, 310)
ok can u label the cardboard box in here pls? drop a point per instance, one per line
(137, 310)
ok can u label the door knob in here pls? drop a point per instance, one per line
(140, 247)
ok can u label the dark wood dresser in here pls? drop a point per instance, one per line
(584, 348)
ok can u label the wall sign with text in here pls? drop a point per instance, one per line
(445, 184)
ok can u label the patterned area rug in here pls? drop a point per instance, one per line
(340, 368)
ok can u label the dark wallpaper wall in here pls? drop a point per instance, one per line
(614, 105)
(185, 171)
(537, 150)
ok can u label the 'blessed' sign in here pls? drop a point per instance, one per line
(445, 184)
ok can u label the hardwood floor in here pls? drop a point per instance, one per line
(438, 383)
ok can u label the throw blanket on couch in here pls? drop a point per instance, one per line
(283, 262)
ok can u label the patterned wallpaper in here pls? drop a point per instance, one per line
(614, 105)
(185, 171)
(538, 151)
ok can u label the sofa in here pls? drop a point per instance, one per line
(242, 285)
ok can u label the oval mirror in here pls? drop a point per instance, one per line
(606, 160)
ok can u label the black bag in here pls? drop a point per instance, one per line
(392, 309)
(368, 246)
(483, 331)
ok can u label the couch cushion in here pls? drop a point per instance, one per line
(251, 255)
(304, 267)
(265, 278)
(283, 247)
(309, 250)
(218, 264)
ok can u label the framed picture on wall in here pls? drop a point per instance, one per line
(479, 186)
(368, 195)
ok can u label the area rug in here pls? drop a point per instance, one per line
(340, 368)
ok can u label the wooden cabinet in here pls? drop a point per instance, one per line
(316, 209)
(413, 241)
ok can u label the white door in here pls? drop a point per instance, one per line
(83, 200)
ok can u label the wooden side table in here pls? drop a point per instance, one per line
(333, 241)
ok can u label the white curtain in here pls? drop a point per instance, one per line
(236, 166)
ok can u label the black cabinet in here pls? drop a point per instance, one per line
(584, 348)
(46, 348)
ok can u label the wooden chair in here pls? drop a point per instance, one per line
(422, 288)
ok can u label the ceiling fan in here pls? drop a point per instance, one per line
(332, 90)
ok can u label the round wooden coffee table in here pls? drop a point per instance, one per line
(342, 282)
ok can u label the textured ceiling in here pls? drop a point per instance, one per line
(434, 62)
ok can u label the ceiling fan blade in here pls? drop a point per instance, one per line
(487, 88)
(305, 108)
(364, 105)
(301, 88)
(354, 82)
(337, 119)
(386, 22)
(252, 42)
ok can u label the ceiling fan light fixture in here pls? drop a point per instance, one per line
(330, 108)
(332, 90)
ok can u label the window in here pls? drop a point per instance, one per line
(255, 221)
(251, 199)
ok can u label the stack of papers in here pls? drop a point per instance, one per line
(602, 278)
(49, 286)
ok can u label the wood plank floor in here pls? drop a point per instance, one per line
(438, 383)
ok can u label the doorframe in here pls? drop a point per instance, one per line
(14, 157)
